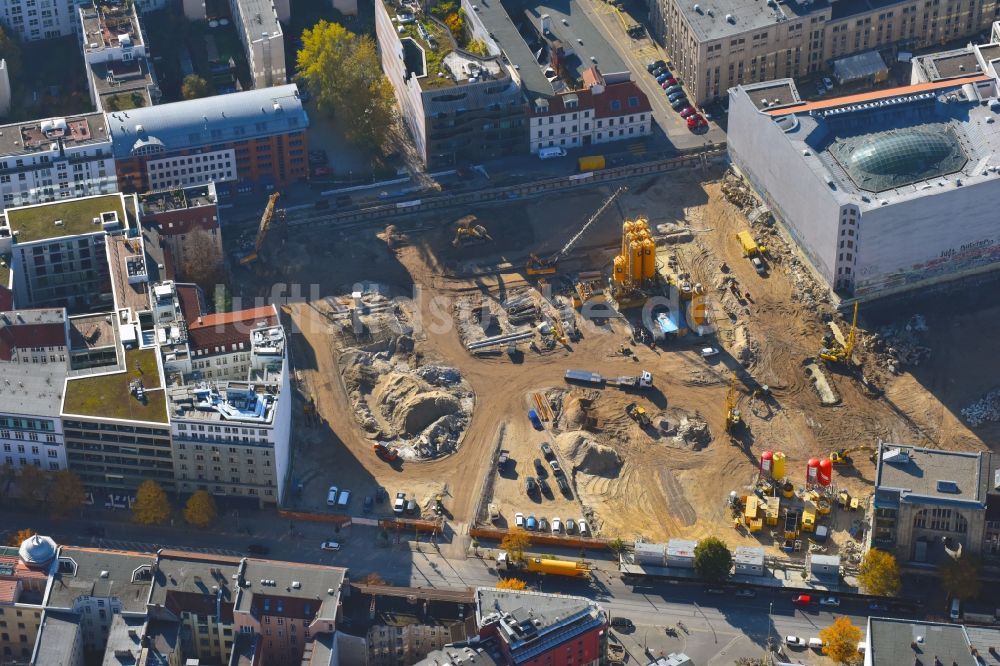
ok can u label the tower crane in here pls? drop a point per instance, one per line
(547, 265)
(251, 255)
(837, 353)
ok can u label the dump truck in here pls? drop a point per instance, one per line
(591, 163)
(543, 566)
(642, 380)
(751, 250)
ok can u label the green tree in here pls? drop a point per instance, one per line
(840, 640)
(511, 584)
(343, 72)
(443, 9)
(200, 509)
(712, 559)
(879, 574)
(151, 504)
(617, 545)
(960, 577)
(68, 493)
(194, 87)
(477, 47)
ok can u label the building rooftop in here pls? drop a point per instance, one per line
(57, 638)
(72, 217)
(184, 579)
(114, 395)
(109, 26)
(571, 28)
(258, 16)
(501, 28)
(717, 19)
(124, 84)
(220, 119)
(129, 279)
(933, 475)
(229, 401)
(228, 332)
(124, 641)
(91, 332)
(291, 589)
(891, 643)
(749, 555)
(949, 64)
(773, 94)
(94, 572)
(467, 654)
(41, 135)
(26, 329)
(32, 388)
(154, 203)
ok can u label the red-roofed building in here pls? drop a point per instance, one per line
(34, 336)
(611, 108)
(220, 343)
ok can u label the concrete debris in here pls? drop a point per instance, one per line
(985, 409)
(693, 432)
(439, 375)
(897, 346)
(737, 192)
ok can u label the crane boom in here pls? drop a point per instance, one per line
(604, 206)
(265, 224)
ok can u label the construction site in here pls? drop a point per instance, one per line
(685, 372)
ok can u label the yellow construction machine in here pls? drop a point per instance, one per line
(250, 255)
(834, 351)
(733, 417)
(638, 414)
(843, 456)
(547, 265)
(467, 232)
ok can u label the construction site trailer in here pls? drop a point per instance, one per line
(584, 376)
(591, 163)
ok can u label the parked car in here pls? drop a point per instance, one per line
(556, 525)
(535, 421)
(570, 526)
(531, 486)
(400, 504)
(330, 545)
(380, 494)
(531, 523)
(369, 502)
(705, 352)
(815, 643)
(696, 122)
(556, 469)
(563, 486)
(540, 469)
(745, 593)
(547, 451)
(662, 77)
(829, 601)
(622, 623)
(331, 496)
(803, 599)
(518, 519)
(543, 524)
(584, 530)
(652, 67)
(411, 507)
(258, 549)
(673, 89)
(679, 104)
(794, 641)
(545, 488)
(828, 83)
(687, 111)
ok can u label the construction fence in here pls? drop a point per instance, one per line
(544, 539)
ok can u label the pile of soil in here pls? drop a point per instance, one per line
(688, 431)
(587, 456)
(410, 405)
(576, 413)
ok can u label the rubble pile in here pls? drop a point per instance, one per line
(737, 192)
(985, 409)
(439, 375)
(898, 346)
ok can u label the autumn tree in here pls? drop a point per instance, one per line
(151, 504)
(515, 542)
(200, 260)
(456, 24)
(879, 574)
(477, 47)
(20, 536)
(194, 87)
(33, 485)
(374, 579)
(840, 640)
(343, 72)
(68, 493)
(960, 577)
(511, 584)
(712, 559)
(200, 509)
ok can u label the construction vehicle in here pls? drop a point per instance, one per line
(638, 414)
(543, 566)
(467, 232)
(752, 251)
(386, 453)
(843, 456)
(309, 410)
(733, 417)
(642, 380)
(591, 163)
(834, 351)
(547, 265)
(249, 256)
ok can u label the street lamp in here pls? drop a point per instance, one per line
(767, 645)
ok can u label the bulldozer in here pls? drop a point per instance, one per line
(843, 456)
(467, 232)
(638, 414)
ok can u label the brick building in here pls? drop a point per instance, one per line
(187, 223)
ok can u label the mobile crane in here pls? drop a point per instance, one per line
(547, 265)
(837, 353)
(251, 255)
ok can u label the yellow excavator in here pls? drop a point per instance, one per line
(843, 456)
(733, 417)
(547, 265)
(251, 254)
(834, 352)
(467, 232)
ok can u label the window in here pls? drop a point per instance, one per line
(616, 105)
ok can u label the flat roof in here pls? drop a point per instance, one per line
(919, 473)
(91, 331)
(498, 23)
(193, 573)
(718, 19)
(40, 135)
(196, 196)
(100, 572)
(32, 389)
(314, 585)
(104, 25)
(964, 63)
(124, 638)
(890, 643)
(75, 216)
(258, 16)
(127, 261)
(577, 34)
(110, 396)
(57, 638)
(773, 94)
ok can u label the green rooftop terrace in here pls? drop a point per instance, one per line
(63, 218)
(110, 396)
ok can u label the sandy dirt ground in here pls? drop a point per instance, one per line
(664, 487)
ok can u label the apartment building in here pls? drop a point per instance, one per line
(59, 250)
(31, 431)
(718, 44)
(187, 222)
(24, 574)
(119, 72)
(33, 20)
(263, 41)
(255, 138)
(608, 108)
(55, 158)
(34, 336)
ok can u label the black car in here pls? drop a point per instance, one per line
(563, 486)
(622, 623)
(258, 549)
(679, 104)
(556, 469)
(546, 488)
(380, 494)
(540, 469)
(547, 451)
(531, 485)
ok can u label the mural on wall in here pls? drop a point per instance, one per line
(953, 261)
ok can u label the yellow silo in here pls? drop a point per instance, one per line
(635, 248)
(620, 272)
(648, 259)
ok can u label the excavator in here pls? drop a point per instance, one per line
(843, 456)
(251, 255)
(834, 352)
(733, 417)
(467, 232)
(547, 265)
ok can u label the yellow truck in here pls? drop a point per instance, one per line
(543, 566)
(591, 163)
(751, 250)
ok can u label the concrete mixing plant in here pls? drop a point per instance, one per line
(634, 269)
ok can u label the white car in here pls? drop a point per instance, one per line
(556, 525)
(584, 530)
(827, 83)
(829, 601)
(518, 519)
(795, 641)
(331, 496)
(708, 351)
(330, 545)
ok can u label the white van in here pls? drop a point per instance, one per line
(956, 610)
(815, 644)
(550, 152)
(344, 498)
